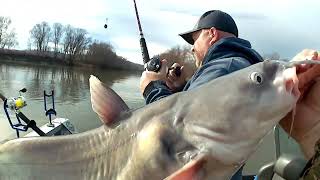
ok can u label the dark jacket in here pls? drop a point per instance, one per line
(225, 56)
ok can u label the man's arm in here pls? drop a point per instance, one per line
(156, 90)
(153, 86)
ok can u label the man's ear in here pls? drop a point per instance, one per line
(213, 35)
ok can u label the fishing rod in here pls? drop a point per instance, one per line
(153, 64)
(143, 44)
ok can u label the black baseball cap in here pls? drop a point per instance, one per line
(214, 18)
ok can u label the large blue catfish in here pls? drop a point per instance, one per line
(205, 133)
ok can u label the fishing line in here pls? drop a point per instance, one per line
(292, 121)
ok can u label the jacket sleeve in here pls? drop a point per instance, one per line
(156, 90)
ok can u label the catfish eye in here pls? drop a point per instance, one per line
(256, 77)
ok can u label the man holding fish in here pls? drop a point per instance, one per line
(218, 51)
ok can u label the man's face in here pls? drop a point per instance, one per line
(201, 45)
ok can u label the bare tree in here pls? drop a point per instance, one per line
(57, 35)
(40, 35)
(80, 42)
(75, 42)
(101, 53)
(69, 31)
(4, 25)
(8, 37)
(9, 40)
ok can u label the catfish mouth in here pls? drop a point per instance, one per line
(292, 65)
(291, 81)
(286, 79)
(286, 83)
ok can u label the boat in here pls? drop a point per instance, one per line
(55, 127)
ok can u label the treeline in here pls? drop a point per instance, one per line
(103, 54)
(63, 43)
(71, 41)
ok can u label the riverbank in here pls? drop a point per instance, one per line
(31, 57)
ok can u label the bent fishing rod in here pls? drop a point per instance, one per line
(154, 63)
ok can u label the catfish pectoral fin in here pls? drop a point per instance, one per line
(191, 171)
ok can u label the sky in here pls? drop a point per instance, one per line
(282, 26)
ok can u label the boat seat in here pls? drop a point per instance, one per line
(287, 166)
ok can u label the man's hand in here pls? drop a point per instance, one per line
(307, 115)
(307, 79)
(148, 76)
(174, 82)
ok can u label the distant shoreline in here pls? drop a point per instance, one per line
(50, 58)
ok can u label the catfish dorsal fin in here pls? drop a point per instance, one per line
(105, 102)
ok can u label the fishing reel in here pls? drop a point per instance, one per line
(17, 103)
(155, 65)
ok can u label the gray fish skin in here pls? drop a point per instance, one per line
(222, 122)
